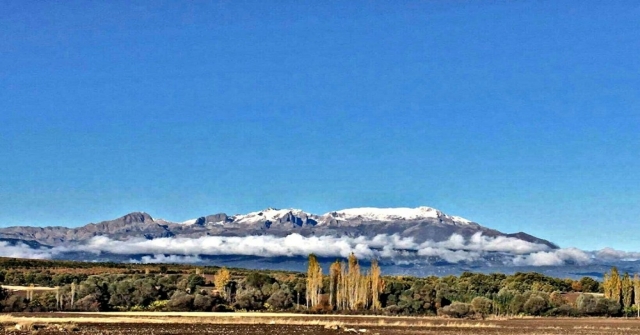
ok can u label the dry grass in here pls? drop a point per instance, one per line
(250, 314)
(328, 321)
(27, 288)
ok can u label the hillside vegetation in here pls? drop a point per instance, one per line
(347, 289)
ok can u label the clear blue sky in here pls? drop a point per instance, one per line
(520, 115)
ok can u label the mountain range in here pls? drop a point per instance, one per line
(407, 241)
(421, 224)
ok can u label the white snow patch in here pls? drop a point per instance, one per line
(189, 222)
(393, 214)
(388, 214)
(270, 214)
(459, 219)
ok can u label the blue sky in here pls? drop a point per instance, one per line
(520, 115)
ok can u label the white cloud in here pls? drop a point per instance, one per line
(553, 258)
(479, 242)
(612, 254)
(394, 248)
(21, 250)
(455, 249)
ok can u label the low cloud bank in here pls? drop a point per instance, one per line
(455, 249)
(554, 258)
(394, 248)
(22, 250)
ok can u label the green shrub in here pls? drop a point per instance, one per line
(457, 310)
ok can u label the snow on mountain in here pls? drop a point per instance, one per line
(362, 214)
(270, 214)
(459, 219)
(394, 214)
(190, 222)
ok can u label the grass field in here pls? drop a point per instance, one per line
(138, 323)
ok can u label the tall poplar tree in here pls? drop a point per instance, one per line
(314, 281)
(636, 292)
(352, 282)
(616, 285)
(377, 285)
(335, 272)
(349, 289)
(627, 291)
(606, 285)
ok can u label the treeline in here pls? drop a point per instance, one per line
(162, 292)
(624, 290)
(346, 288)
(54, 267)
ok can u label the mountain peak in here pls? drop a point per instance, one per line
(136, 217)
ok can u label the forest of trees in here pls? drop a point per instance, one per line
(346, 288)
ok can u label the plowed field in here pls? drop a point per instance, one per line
(295, 324)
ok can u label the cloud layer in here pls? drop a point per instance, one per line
(394, 248)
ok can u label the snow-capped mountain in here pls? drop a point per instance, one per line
(420, 224)
(394, 214)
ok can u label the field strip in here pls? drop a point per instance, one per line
(239, 318)
(25, 319)
(28, 288)
(254, 314)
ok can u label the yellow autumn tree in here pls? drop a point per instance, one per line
(314, 281)
(221, 279)
(377, 285)
(335, 274)
(606, 285)
(349, 288)
(353, 277)
(616, 285)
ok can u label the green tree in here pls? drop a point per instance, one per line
(482, 306)
(636, 292)
(535, 305)
(457, 310)
(626, 285)
(587, 304)
(250, 299)
(281, 299)
(516, 306)
(202, 302)
(181, 302)
(589, 285)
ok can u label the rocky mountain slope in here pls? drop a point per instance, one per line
(422, 223)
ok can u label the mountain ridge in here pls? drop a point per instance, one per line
(421, 223)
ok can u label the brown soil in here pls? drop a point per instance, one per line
(253, 323)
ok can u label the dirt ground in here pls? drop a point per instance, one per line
(293, 324)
